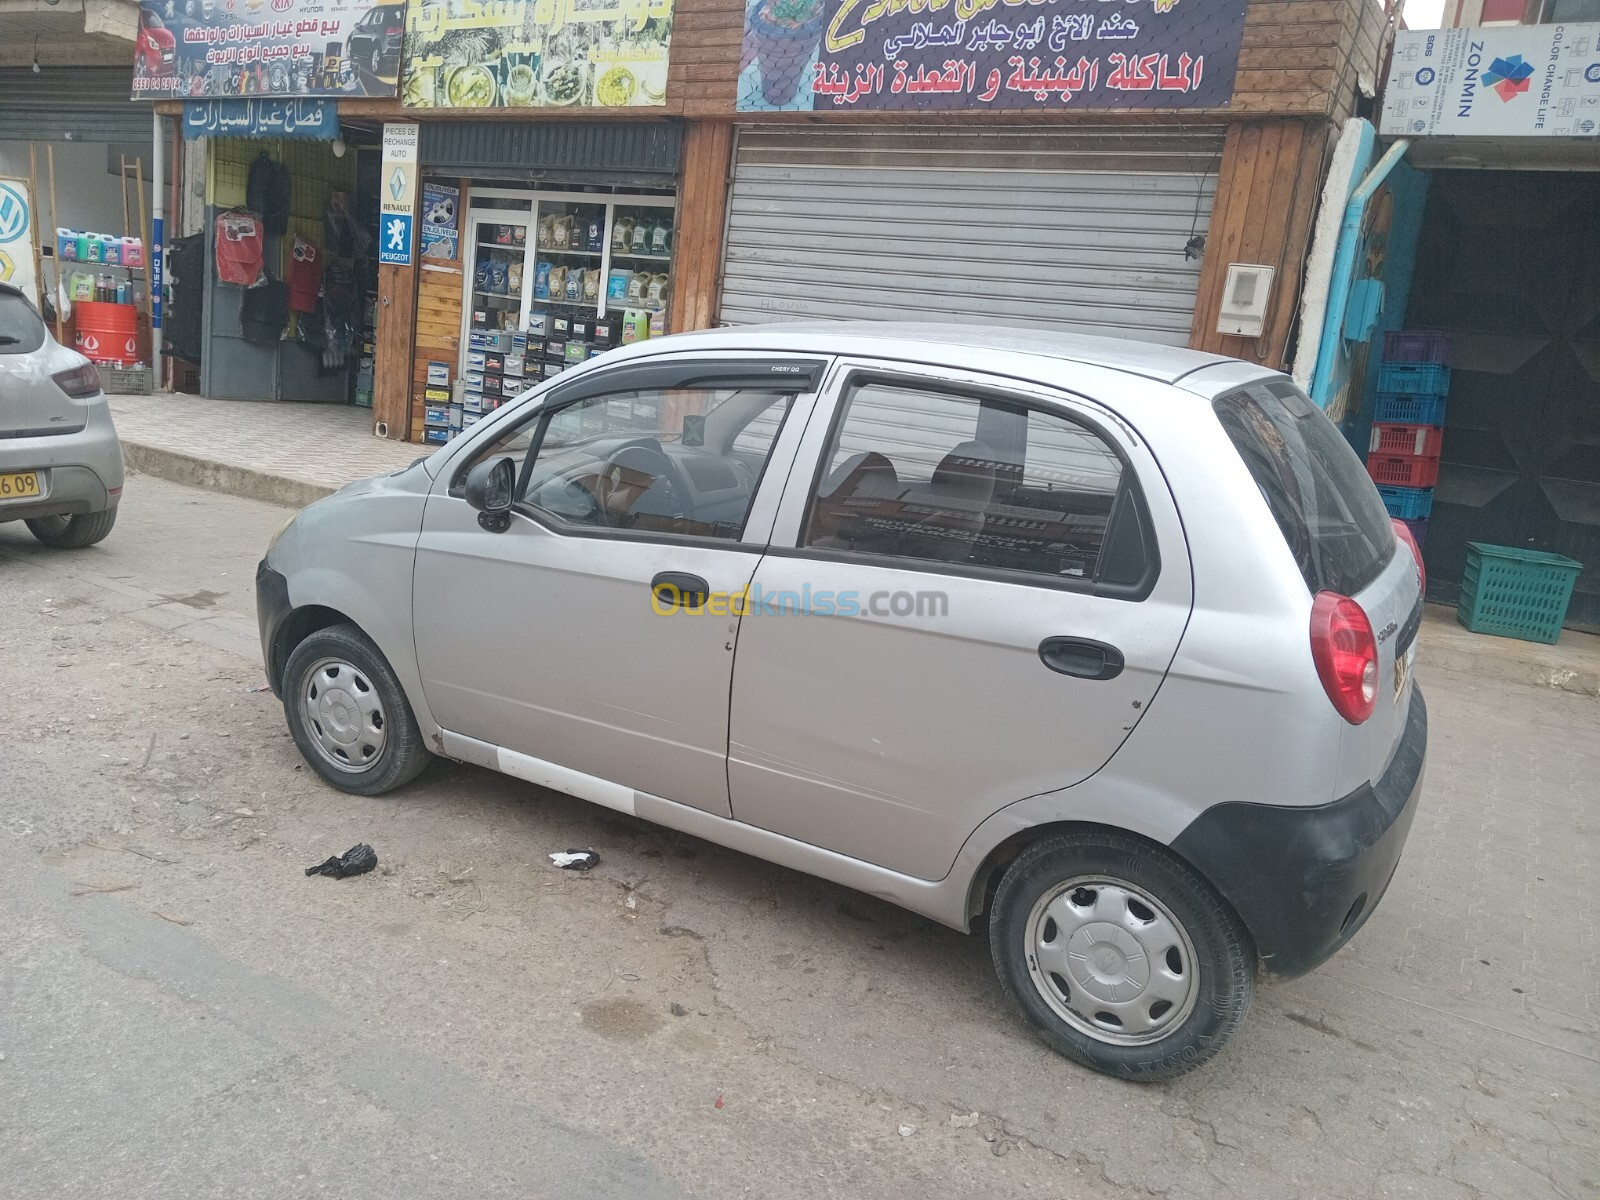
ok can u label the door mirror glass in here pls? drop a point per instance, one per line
(489, 489)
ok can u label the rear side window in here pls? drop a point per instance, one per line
(21, 330)
(1319, 493)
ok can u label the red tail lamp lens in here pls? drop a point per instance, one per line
(1346, 655)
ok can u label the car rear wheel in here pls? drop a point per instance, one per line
(376, 61)
(73, 532)
(349, 715)
(1120, 955)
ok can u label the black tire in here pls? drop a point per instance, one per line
(377, 63)
(1223, 956)
(402, 755)
(74, 532)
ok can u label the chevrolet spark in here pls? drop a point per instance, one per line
(1105, 646)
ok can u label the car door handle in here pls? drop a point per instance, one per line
(675, 588)
(1081, 657)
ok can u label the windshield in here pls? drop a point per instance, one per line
(1320, 495)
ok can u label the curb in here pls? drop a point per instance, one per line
(222, 477)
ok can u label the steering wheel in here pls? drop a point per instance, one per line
(641, 458)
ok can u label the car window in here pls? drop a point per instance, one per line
(1319, 492)
(21, 328)
(923, 473)
(680, 461)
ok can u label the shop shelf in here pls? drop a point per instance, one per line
(1418, 346)
(567, 253)
(1409, 504)
(1419, 441)
(1419, 530)
(1413, 378)
(1410, 410)
(647, 257)
(1403, 470)
(1516, 593)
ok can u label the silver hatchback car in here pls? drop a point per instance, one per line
(60, 461)
(1104, 644)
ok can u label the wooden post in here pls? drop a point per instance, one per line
(38, 252)
(50, 165)
(1267, 189)
(702, 213)
(127, 221)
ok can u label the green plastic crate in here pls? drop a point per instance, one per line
(1515, 593)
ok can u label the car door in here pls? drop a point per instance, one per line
(973, 593)
(561, 640)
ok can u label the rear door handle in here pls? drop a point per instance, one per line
(1081, 657)
(678, 588)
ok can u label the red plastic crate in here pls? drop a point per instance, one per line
(1419, 441)
(1403, 470)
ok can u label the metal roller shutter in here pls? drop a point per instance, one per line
(642, 154)
(86, 104)
(1082, 229)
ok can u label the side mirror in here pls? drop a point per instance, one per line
(488, 489)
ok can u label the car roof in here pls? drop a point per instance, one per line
(943, 344)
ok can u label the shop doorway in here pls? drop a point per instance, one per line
(1508, 265)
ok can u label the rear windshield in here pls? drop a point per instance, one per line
(1319, 493)
(21, 330)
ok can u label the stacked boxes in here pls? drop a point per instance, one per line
(1408, 426)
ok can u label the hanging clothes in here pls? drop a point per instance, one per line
(267, 191)
(305, 275)
(238, 248)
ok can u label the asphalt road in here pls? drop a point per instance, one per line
(184, 1013)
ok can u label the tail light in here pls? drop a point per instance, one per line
(1346, 655)
(1403, 534)
(80, 383)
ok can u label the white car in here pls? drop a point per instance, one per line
(60, 461)
(1106, 645)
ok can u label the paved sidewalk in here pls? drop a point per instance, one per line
(278, 451)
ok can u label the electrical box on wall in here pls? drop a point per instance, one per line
(1244, 300)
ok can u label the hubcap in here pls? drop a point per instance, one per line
(1111, 960)
(345, 716)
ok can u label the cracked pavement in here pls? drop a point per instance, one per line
(182, 1011)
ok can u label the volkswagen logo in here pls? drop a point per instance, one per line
(13, 214)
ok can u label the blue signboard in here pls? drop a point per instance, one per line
(252, 118)
(394, 239)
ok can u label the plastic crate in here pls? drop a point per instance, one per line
(1419, 531)
(1419, 441)
(1413, 378)
(1410, 504)
(1410, 410)
(1516, 593)
(1403, 470)
(1414, 345)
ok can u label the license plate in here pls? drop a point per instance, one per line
(25, 483)
(1402, 672)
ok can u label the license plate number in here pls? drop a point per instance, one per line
(1402, 672)
(25, 483)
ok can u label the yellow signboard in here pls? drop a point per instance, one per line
(536, 53)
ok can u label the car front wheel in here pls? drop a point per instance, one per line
(1120, 955)
(349, 715)
(74, 532)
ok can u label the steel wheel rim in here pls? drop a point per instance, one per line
(345, 717)
(1111, 960)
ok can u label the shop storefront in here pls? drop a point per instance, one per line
(1464, 303)
(1081, 228)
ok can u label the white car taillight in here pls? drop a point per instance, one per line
(80, 383)
(1346, 655)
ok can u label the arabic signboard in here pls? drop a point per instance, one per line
(397, 180)
(194, 49)
(17, 238)
(1504, 81)
(440, 222)
(317, 119)
(537, 53)
(1036, 55)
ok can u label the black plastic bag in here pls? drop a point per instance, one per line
(357, 860)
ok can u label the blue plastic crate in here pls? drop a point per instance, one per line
(1410, 504)
(1410, 410)
(1414, 378)
(1516, 593)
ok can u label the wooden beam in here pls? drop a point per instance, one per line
(702, 212)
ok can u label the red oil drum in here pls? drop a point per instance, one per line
(107, 333)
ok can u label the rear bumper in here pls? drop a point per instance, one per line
(1305, 879)
(79, 472)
